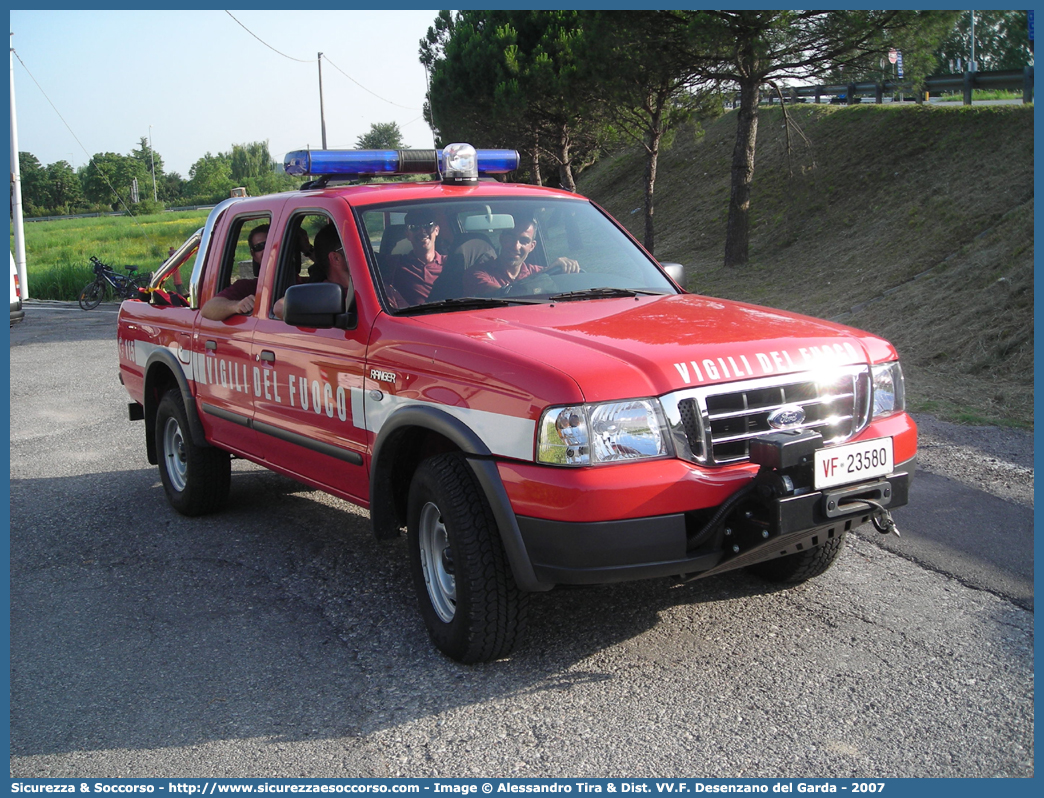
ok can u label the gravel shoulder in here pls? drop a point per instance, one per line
(996, 460)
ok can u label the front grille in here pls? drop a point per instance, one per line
(715, 425)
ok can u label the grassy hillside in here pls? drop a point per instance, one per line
(915, 223)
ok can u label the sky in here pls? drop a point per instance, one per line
(204, 81)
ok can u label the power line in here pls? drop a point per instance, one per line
(266, 44)
(90, 158)
(30, 74)
(310, 60)
(357, 83)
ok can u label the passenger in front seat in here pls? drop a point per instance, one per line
(413, 274)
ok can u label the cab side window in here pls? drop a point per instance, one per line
(297, 254)
(244, 251)
(324, 259)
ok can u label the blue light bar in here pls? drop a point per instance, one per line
(342, 162)
(390, 162)
(496, 162)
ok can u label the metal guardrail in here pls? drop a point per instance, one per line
(937, 84)
(111, 213)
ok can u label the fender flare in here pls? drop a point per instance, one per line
(165, 359)
(383, 515)
(382, 510)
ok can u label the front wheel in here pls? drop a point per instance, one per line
(196, 478)
(91, 295)
(802, 566)
(467, 594)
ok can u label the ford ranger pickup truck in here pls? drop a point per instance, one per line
(503, 372)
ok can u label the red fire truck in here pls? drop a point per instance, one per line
(502, 371)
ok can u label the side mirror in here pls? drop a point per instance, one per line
(676, 272)
(318, 305)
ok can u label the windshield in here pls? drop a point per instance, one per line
(539, 249)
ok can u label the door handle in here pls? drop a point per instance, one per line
(268, 357)
(211, 345)
(185, 348)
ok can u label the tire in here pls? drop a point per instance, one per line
(800, 567)
(195, 478)
(92, 295)
(473, 610)
(135, 285)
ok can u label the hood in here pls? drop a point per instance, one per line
(649, 346)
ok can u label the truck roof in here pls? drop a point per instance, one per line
(376, 193)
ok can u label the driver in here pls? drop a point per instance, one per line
(510, 267)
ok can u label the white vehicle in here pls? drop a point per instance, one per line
(17, 314)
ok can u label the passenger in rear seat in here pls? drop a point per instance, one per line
(330, 263)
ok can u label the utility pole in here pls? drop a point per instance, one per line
(16, 194)
(152, 157)
(973, 67)
(322, 113)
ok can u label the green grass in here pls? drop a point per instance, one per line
(984, 94)
(960, 414)
(57, 253)
(912, 222)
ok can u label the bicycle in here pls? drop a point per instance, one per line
(124, 286)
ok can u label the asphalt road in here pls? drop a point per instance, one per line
(982, 540)
(278, 638)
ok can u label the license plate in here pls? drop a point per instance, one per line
(853, 462)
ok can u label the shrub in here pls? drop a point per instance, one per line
(147, 206)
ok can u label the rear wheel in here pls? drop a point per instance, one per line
(467, 594)
(92, 295)
(195, 478)
(803, 565)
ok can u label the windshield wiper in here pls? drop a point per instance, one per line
(471, 303)
(599, 293)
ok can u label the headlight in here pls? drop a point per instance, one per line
(889, 391)
(612, 432)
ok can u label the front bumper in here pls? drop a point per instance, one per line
(569, 553)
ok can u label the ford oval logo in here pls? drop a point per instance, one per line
(786, 417)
